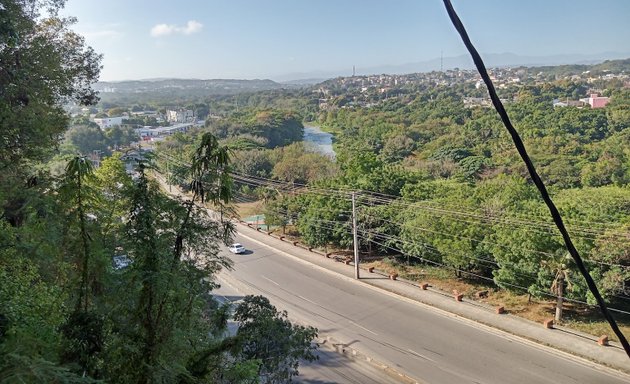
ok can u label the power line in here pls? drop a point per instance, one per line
(466, 209)
(487, 218)
(490, 279)
(484, 241)
(538, 226)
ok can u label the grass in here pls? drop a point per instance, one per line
(248, 209)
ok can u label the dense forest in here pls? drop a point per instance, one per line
(103, 277)
(443, 185)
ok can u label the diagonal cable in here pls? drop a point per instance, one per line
(518, 143)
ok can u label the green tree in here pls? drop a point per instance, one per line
(267, 336)
(44, 64)
(83, 330)
(87, 138)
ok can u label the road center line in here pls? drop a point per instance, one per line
(305, 299)
(362, 327)
(268, 279)
(420, 355)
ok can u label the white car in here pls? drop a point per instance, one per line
(236, 248)
(121, 262)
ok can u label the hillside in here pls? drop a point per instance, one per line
(212, 86)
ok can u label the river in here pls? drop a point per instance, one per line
(320, 140)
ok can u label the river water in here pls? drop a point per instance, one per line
(320, 140)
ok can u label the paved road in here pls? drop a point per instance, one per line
(331, 367)
(427, 345)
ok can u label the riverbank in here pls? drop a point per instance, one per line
(322, 141)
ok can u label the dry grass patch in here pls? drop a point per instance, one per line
(248, 209)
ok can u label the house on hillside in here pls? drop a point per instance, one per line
(596, 101)
(568, 103)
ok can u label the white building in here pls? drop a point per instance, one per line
(146, 133)
(108, 122)
(180, 116)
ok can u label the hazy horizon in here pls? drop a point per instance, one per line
(284, 40)
(399, 68)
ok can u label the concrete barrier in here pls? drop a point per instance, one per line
(459, 296)
(603, 340)
(548, 323)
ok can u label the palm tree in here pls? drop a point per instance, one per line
(561, 282)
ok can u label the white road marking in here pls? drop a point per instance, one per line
(268, 279)
(362, 327)
(305, 299)
(420, 355)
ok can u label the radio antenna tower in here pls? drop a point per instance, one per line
(353, 71)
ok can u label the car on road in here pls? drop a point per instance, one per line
(236, 248)
(121, 262)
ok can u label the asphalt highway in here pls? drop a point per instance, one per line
(330, 366)
(425, 344)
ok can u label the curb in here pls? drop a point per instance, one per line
(507, 333)
(355, 354)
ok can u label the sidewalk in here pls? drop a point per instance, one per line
(560, 338)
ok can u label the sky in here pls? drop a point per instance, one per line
(249, 39)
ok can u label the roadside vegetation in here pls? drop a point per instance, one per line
(103, 277)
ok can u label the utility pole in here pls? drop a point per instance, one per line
(355, 235)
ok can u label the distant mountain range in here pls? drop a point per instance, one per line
(170, 86)
(461, 62)
(166, 85)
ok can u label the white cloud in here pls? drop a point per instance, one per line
(162, 30)
(191, 27)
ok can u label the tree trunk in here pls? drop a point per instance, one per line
(560, 293)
